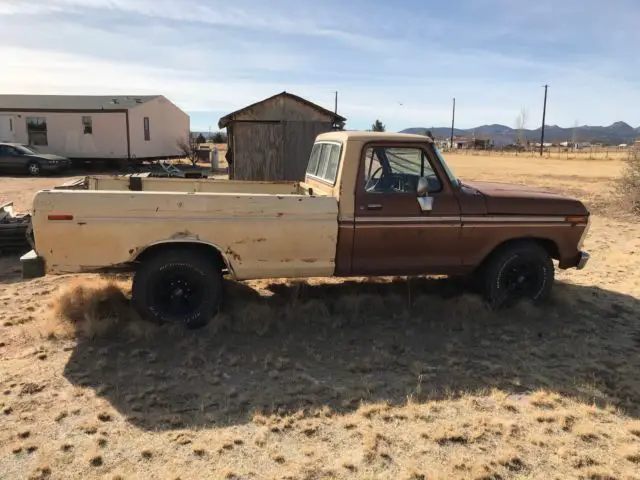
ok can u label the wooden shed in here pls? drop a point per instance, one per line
(272, 139)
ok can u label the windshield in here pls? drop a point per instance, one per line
(452, 177)
(25, 150)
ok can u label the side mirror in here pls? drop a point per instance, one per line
(422, 189)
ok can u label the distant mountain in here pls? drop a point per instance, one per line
(614, 134)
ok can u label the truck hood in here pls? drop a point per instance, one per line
(504, 198)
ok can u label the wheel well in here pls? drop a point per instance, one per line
(549, 245)
(209, 251)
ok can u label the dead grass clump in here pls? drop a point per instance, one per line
(94, 307)
(449, 434)
(359, 309)
(257, 318)
(631, 454)
(629, 183)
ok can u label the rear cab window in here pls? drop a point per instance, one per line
(324, 162)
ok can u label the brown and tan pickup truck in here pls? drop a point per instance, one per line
(371, 204)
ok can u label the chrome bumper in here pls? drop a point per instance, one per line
(584, 258)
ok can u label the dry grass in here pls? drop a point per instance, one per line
(375, 379)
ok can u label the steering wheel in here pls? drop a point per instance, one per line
(372, 186)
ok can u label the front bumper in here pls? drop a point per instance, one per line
(55, 167)
(583, 259)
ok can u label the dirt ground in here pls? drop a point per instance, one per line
(365, 379)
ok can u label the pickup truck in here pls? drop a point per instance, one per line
(371, 204)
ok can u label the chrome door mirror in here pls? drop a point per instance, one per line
(422, 189)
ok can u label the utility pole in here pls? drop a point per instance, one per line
(544, 115)
(335, 108)
(453, 121)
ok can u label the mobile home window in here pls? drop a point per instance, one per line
(147, 134)
(37, 131)
(87, 125)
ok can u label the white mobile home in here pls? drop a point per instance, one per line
(95, 127)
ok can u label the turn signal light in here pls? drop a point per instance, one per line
(60, 217)
(577, 219)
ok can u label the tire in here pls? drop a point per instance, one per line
(34, 169)
(520, 271)
(178, 286)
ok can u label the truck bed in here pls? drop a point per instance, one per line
(260, 235)
(203, 185)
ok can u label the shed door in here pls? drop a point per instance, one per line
(258, 151)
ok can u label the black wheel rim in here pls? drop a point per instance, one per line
(177, 293)
(522, 279)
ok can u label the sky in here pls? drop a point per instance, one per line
(400, 61)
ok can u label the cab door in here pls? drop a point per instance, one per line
(393, 233)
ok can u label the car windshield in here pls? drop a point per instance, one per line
(452, 177)
(25, 150)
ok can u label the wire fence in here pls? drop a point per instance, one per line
(591, 153)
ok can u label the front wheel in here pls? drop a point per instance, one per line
(521, 271)
(34, 169)
(178, 286)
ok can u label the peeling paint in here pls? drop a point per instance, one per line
(232, 254)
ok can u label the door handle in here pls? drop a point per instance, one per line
(374, 206)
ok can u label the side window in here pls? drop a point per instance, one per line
(5, 150)
(147, 133)
(397, 170)
(87, 125)
(324, 161)
(37, 131)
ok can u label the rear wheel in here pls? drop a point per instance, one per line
(34, 169)
(520, 271)
(178, 286)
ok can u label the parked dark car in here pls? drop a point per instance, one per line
(19, 158)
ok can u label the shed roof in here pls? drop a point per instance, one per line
(227, 119)
(72, 102)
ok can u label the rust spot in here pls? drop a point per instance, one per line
(280, 197)
(185, 234)
(131, 251)
(232, 254)
(259, 240)
(279, 214)
(309, 260)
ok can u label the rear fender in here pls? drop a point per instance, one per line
(137, 254)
